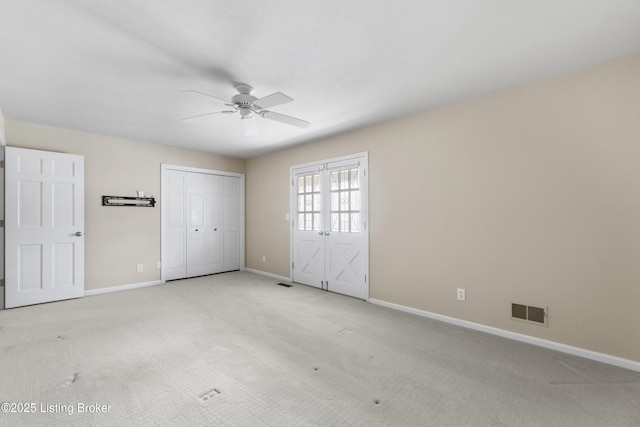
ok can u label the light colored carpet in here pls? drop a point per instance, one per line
(237, 349)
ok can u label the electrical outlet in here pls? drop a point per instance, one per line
(461, 294)
(286, 216)
(264, 258)
(140, 268)
(158, 265)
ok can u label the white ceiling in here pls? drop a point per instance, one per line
(117, 67)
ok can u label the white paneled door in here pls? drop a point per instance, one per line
(201, 222)
(329, 203)
(44, 226)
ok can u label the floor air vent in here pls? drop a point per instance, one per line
(286, 285)
(529, 313)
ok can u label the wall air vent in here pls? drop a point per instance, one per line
(529, 313)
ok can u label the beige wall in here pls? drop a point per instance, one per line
(2, 136)
(530, 195)
(117, 239)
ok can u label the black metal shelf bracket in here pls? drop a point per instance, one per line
(141, 202)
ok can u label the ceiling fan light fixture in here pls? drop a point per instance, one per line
(249, 124)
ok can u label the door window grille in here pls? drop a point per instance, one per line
(345, 200)
(308, 194)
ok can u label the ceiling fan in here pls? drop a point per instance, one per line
(249, 106)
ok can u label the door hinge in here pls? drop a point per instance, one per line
(292, 264)
(1, 164)
(2, 223)
(1, 282)
(365, 278)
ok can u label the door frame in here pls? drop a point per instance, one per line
(363, 158)
(2, 147)
(164, 167)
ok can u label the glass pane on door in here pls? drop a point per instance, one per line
(309, 202)
(345, 200)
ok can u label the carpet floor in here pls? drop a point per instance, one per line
(237, 349)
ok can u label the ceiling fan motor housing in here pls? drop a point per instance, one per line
(242, 100)
(244, 97)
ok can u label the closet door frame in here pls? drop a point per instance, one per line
(163, 238)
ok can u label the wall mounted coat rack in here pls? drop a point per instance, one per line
(144, 202)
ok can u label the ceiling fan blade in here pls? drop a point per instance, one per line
(272, 100)
(285, 119)
(206, 94)
(249, 125)
(199, 116)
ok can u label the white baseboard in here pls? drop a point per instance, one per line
(264, 273)
(121, 288)
(576, 351)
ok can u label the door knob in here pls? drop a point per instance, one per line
(321, 233)
(78, 233)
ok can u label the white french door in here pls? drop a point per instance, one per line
(44, 226)
(330, 243)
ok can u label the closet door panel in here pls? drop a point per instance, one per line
(196, 236)
(174, 224)
(231, 223)
(215, 223)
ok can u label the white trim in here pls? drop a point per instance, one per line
(332, 160)
(564, 348)
(200, 170)
(272, 276)
(119, 288)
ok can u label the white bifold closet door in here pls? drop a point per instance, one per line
(330, 244)
(201, 220)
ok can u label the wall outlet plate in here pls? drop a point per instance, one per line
(461, 294)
